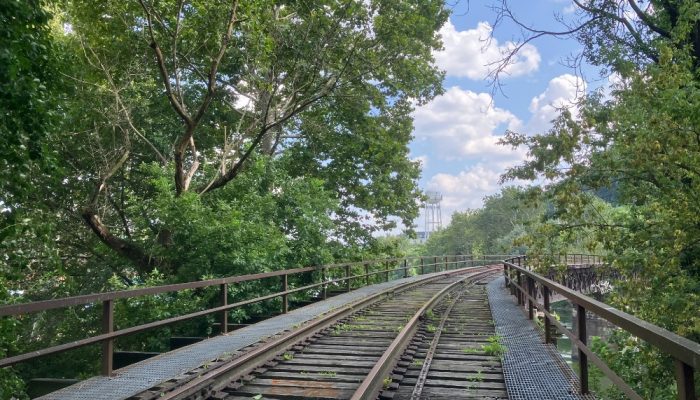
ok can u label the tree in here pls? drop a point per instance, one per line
(496, 228)
(322, 89)
(642, 140)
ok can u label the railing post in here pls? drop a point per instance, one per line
(285, 297)
(223, 293)
(386, 273)
(324, 286)
(547, 323)
(520, 287)
(422, 266)
(107, 345)
(366, 274)
(347, 278)
(531, 293)
(582, 357)
(435, 267)
(444, 263)
(405, 268)
(685, 381)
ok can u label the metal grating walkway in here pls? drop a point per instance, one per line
(532, 369)
(141, 376)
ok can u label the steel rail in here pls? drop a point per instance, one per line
(373, 382)
(423, 374)
(250, 360)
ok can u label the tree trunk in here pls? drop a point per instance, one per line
(143, 262)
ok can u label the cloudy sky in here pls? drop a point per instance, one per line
(456, 134)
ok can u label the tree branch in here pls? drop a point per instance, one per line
(644, 17)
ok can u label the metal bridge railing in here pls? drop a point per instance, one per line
(344, 276)
(524, 284)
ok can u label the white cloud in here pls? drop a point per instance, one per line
(563, 91)
(461, 123)
(472, 53)
(423, 161)
(570, 9)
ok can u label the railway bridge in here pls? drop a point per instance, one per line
(448, 327)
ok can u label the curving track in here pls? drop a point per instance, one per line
(367, 350)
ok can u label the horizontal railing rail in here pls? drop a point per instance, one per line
(387, 266)
(524, 283)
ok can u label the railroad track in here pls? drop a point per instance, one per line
(456, 353)
(359, 351)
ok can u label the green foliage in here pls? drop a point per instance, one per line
(11, 385)
(141, 310)
(106, 184)
(494, 347)
(496, 228)
(26, 76)
(639, 143)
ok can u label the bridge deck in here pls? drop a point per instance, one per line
(532, 370)
(144, 375)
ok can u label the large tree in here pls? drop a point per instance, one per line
(642, 142)
(201, 92)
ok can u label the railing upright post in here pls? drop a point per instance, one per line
(582, 357)
(531, 295)
(223, 293)
(107, 345)
(685, 381)
(386, 272)
(547, 323)
(324, 286)
(285, 297)
(435, 267)
(422, 266)
(405, 268)
(520, 288)
(444, 263)
(366, 274)
(347, 278)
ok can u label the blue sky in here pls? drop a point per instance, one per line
(456, 133)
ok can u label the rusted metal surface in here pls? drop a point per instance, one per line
(330, 358)
(373, 382)
(427, 361)
(685, 352)
(454, 363)
(167, 369)
(108, 336)
(214, 380)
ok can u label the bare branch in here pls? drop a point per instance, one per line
(164, 74)
(644, 17)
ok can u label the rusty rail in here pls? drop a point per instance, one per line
(524, 283)
(371, 385)
(385, 267)
(241, 366)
